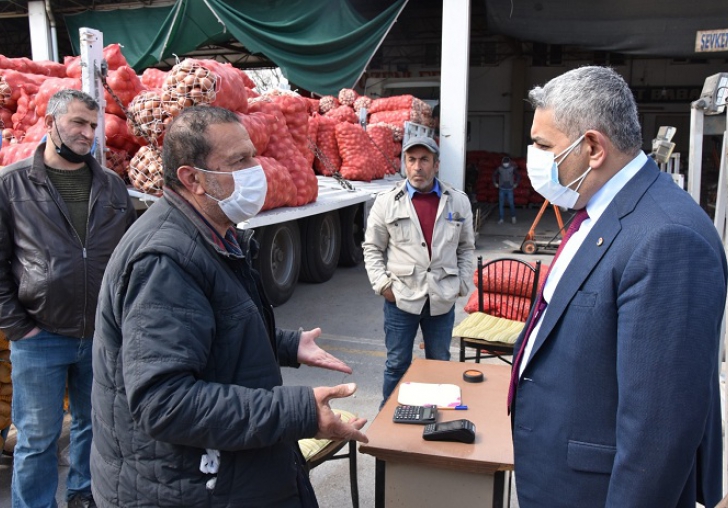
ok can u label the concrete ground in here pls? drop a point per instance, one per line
(350, 316)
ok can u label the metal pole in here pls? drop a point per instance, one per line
(454, 90)
(92, 63)
(40, 36)
(696, 152)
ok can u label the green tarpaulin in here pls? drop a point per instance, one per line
(320, 45)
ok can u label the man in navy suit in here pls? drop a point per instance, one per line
(615, 398)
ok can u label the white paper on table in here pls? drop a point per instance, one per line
(429, 394)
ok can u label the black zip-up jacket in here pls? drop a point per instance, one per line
(48, 278)
(186, 358)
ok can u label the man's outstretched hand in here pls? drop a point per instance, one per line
(329, 423)
(310, 354)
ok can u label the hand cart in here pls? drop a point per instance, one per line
(530, 245)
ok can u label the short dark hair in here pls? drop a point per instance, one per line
(185, 142)
(58, 103)
(592, 98)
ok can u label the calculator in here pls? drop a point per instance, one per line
(415, 414)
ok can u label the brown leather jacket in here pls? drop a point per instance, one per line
(47, 277)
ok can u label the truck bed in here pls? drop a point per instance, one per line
(331, 196)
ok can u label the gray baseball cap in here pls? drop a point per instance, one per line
(428, 143)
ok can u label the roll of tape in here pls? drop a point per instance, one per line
(473, 376)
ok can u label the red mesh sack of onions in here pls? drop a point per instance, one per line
(6, 124)
(328, 158)
(281, 189)
(382, 137)
(18, 82)
(145, 170)
(343, 114)
(49, 87)
(5, 93)
(419, 111)
(247, 80)
(26, 65)
(347, 96)
(36, 131)
(117, 134)
(313, 105)
(358, 158)
(397, 134)
(397, 118)
(187, 84)
(8, 135)
(394, 103)
(282, 148)
(147, 116)
(313, 125)
(112, 54)
(153, 78)
(362, 102)
(295, 109)
(126, 85)
(231, 86)
(24, 117)
(259, 126)
(5, 117)
(117, 161)
(327, 103)
(16, 152)
(192, 82)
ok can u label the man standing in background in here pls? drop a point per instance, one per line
(506, 178)
(418, 252)
(61, 216)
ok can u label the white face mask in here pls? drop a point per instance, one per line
(543, 171)
(248, 195)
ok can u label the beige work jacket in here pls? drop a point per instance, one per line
(395, 252)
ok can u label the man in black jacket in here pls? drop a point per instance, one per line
(61, 216)
(189, 407)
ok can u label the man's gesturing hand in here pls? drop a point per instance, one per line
(329, 424)
(310, 354)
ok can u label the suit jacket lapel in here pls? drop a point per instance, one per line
(590, 254)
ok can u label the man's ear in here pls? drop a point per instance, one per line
(48, 121)
(190, 179)
(596, 144)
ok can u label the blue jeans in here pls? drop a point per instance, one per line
(504, 194)
(41, 366)
(400, 329)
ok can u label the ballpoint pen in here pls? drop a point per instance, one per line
(455, 408)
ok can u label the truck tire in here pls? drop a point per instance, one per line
(321, 244)
(279, 260)
(352, 235)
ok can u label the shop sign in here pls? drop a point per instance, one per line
(683, 94)
(708, 41)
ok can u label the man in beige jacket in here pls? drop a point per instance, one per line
(418, 255)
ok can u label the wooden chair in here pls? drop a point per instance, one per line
(507, 288)
(318, 451)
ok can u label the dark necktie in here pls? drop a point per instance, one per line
(581, 216)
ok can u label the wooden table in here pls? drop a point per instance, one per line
(423, 473)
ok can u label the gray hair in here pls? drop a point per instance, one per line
(58, 103)
(185, 143)
(592, 98)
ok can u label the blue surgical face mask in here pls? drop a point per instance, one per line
(543, 171)
(248, 196)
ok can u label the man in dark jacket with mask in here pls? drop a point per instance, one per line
(189, 407)
(61, 215)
